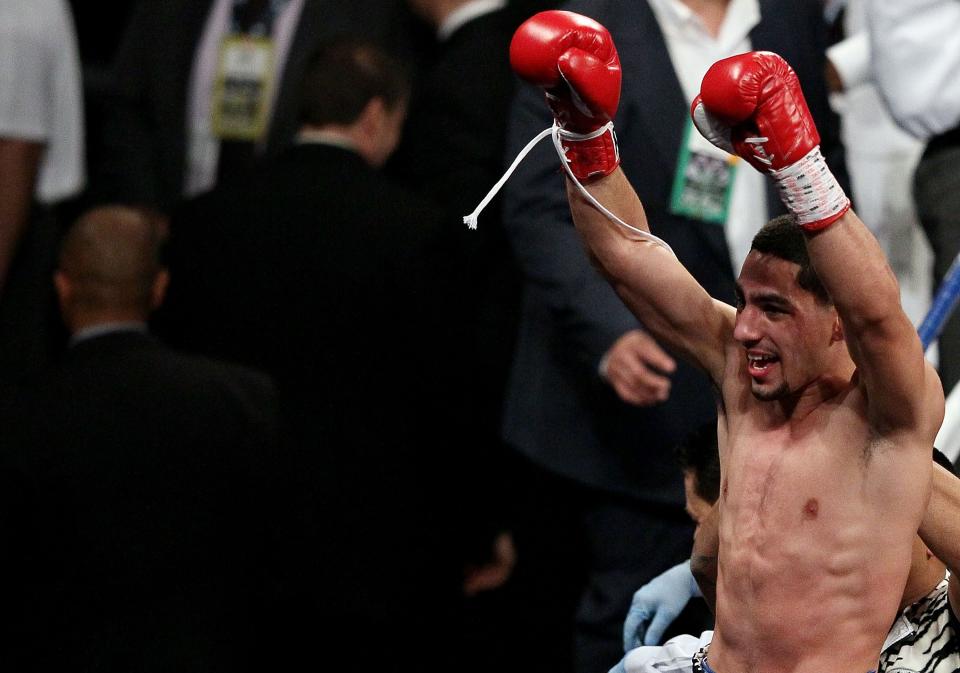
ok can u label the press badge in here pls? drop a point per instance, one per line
(703, 181)
(241, 97)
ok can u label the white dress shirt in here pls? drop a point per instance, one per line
(466, 13)
(881, 158)
(916, 61)
(692, 51)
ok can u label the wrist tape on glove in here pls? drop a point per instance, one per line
(811, 192)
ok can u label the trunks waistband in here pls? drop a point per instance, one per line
(700, 664)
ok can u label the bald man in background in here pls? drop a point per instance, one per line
(136, 521)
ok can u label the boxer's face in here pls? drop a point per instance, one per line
(785, 332)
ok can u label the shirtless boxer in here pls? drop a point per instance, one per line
(827, 408)
(924, 637)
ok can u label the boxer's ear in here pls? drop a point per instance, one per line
(837, 334)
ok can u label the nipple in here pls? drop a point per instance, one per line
(811, 508)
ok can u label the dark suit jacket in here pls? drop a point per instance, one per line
(453, 141)
(138, 478)
(558, 411)
(324, 274)
(143, 153)
(452, 152)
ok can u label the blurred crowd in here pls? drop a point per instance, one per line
(266, 403)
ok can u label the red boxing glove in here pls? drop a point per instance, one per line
(752, 105)
(574, 60)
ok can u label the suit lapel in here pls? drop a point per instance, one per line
(660, 97)
(659, 102)
(285, 109)
(767, 35)
(763, 37)
(191, 17)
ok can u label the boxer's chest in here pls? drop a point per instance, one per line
(793, 479)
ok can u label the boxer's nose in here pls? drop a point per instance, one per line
(746, 329)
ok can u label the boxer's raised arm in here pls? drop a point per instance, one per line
(752, 105)
(903, 390)
(573, 59)
(670, 303)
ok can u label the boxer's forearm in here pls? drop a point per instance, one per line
(852, 267)
(880, 337)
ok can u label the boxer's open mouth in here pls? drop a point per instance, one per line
(758, 364)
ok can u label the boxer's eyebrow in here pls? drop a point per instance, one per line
(771, 299)
(767, 298)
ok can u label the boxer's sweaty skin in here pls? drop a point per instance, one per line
(823, 490)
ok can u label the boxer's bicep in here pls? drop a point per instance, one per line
(677, 310)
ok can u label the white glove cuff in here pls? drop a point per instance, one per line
(811, 192)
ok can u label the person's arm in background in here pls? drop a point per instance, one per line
(916, 57)
(703, 559)
(940, 528)
(24, 126)
(597, 325)
(19, 163)
(848, 63)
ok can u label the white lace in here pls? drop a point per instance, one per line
(471, 219)
(558, 135)
(759, 152)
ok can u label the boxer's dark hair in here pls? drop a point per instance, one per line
(699, 453)
(783, 238)
(345, 74)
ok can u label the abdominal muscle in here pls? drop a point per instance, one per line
(820, 620)
(812, 562)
